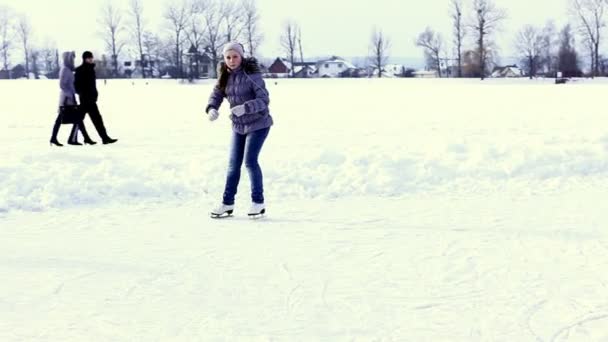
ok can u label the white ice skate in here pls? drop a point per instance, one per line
(222, 211)
(257, 210)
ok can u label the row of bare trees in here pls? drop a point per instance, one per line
(481, 23)
(205, 25)
(540, 48)
(16, 34)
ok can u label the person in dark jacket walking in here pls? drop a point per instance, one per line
(67, 96)
(86, 88)
(241, 83)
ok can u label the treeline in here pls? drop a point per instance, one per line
(542, 50)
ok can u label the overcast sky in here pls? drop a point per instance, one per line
(329, 27)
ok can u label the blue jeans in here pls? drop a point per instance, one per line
(245, 147)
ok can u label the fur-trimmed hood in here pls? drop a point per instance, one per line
(250, 66)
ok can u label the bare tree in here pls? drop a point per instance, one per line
(6, 35)
(487, 18)
(137, 30)
(178, 15)
(48, 53)
(549, 53)
(567, 59)
(530, 44)
(250, 23)
(590, 15)
(24, 31)
(232, 15)
(289, 42)
(213, 34)
(35, 58)
(432, 43)
(151, 45)
(379, 47)
(111, 23)
(588, 43)
(300, 47)
(195, 32)
(459, 31)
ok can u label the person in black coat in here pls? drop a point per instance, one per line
(67, 96)
(85, 84)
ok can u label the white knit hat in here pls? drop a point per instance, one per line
(238, 47)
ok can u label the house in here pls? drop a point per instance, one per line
(333, 67)
(304, 70)
(17, 72)
(507, 71)
(389, 71)
(425, 74)
(199, 64)
(394, 70)
(355, 73)
(279, 68)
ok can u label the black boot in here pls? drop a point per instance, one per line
(55, 142)
(56, 126)
(109, 140)
(85, 134)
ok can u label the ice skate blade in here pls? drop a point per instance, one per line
(258, 215)
(220, 216)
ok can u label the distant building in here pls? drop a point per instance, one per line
(508, 71)
(333, 67)
(199, 64)
(425, 74)
(279, 68)
(355, 73)
(304, 70)
(394, 70)
(16, 72)
(390, 71)
(133, 68)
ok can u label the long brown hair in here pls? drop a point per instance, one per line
(222, 77)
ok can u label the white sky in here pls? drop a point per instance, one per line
(337, 27)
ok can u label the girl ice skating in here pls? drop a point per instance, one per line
(241, 83)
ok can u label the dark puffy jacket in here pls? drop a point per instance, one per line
(245, 86)
(84, 82)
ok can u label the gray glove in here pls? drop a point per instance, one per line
(238, 110)
(213, 114)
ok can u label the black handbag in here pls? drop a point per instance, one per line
(71, 114)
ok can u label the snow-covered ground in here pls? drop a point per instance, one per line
(398, 210)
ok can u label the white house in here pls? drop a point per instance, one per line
(394, 69)
(390, 70)
(508, 71)
(132, 67)
(333, 67)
